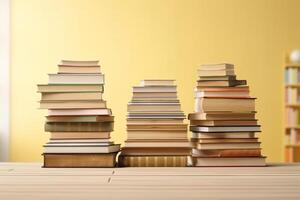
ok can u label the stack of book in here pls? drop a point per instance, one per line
(78, 119)
(157, 134)
(224, 123)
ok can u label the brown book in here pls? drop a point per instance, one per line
(227, 153)
(79, 126)
(222, 116)
(162, 151)
(213, 104)
(217, 78)
(154, 121)
(223, 122)
(92, 118)
(172, 95)
(79, 135)
(217, 66)
(79, 160)
(153, 107)
(85, 63)
(81, 112)
(182, 127)
(235, 145)
(152, 161)
(229, 161)
(70, 104)
(222, 72)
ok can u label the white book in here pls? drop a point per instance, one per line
(80, 63)
(153, 89)
(157, 82)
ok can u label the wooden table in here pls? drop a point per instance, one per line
(30, 181)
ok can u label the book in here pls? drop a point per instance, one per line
(76, 79)
(157, 82)
(153, 107)
(69, 69)
(150, 95)
(222, 116)
(228, 72)
(153, 134)
(152, 161)
(225, 104)
(75, 112)
(157, 151)
(79, 118)
(133, 121)
(157, 127)
(220, 83)
(64, 160)
(225, 128)
(218, 66)
(78, 126)
(65, 88)
(232, 145)
(223, 122)
(79, 135)
(154, 89)
(80, 62)
(70, 104)
(224, 140)
(158, 143)
(227, 153)
(81, 149)
(217, 78)
(202, 135)
(59, 96)
(81, 140)
(229, 162)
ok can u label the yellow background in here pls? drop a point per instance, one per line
(139, 39)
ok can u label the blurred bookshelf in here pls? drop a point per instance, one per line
(292, 112)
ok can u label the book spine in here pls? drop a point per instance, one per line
(153, 161)
(78, 127)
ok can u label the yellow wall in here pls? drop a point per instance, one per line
(138, 39)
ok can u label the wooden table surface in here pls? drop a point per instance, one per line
(30, 181)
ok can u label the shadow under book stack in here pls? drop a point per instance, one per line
(156, 132)
(292, 108)
(78, 120)
(224, 123)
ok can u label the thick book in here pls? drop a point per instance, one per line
(157, 82)
(224, 104)
(152, 161)
(153, 107)
(79, 135)
(232, 145)
(227, 153)
(79, 160)
(153, 134)
(80, 62)
(228, 162)
(65, 88)
(161, 151)
(79, 126)
(223, 135)
(70, 69)
(154, 89)
(75, 112)
(59, 96)
(157, 127)
(217, 78)
(72, 104)
(217, 66)
(222, 116)
(214, 83)
(223, 122)
(133, 121)
(91, 118)
(81, 149)
(159, 143)
(220, 93)
(76, 79)
(227, 72)
(225, 128)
